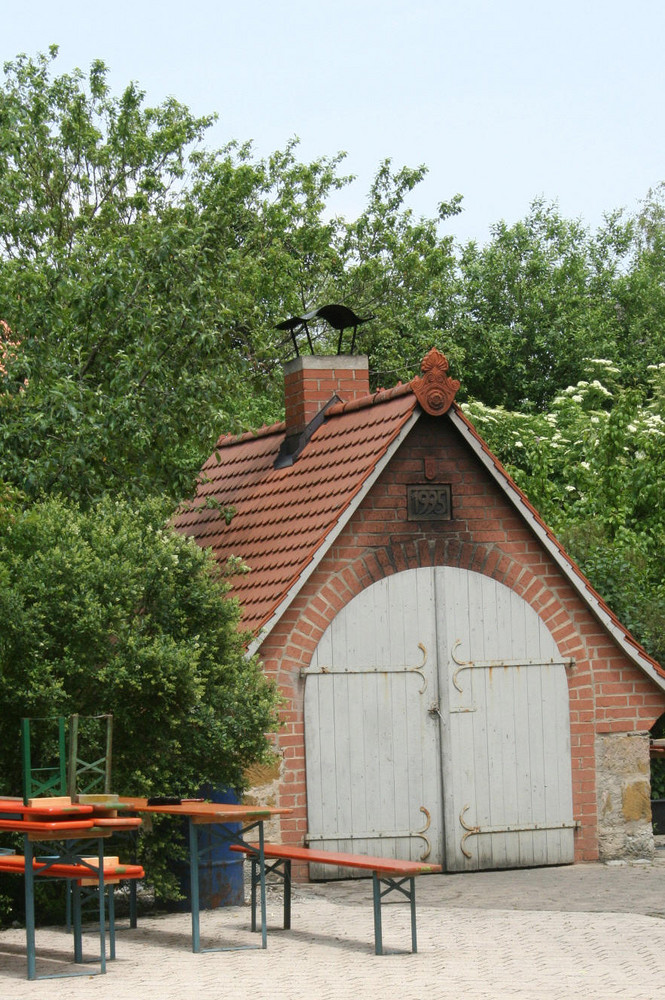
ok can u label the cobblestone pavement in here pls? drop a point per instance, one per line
(585, 931)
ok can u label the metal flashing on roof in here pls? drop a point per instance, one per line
(293, 444)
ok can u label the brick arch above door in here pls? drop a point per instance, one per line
(339, 580)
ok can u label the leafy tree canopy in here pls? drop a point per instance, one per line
(545, 296)
(107, 610)
(141, 280)
(143, 277)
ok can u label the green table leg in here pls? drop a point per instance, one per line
(76, 922)
(102, 913)
(287, 894)
(194, 884)
(29, 907)
(262, 875)
(414, 940)
(111, 909)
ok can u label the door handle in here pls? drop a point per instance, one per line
(434, 710)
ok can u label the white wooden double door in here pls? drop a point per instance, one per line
(437, 727)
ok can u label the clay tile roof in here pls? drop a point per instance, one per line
(284, 515)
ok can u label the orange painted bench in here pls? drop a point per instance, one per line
(388, 875)
(82, 875)
(59, 819)
(113, 870)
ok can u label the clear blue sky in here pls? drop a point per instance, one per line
(504, 100)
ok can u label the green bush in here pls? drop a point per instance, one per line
(109, 610)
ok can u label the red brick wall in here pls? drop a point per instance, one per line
(486, 534)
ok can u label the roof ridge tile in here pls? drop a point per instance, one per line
(364, 402)
(264, 431)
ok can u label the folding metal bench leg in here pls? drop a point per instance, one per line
(102, 907)
(287, 894)
(393, 885)
(414, 939)
(133, 909)
(255, 865)
(111, 913)
(378, 938)
(29, 908)
(194, 884)
(281, 868)
(77, 923)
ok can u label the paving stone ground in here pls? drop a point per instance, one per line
(584, 931)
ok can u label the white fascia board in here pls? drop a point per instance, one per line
(589, 597)
(334, 532)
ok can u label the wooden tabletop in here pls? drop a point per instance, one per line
(207, 812)
(46, 817)
(44, 807)
(49, 817)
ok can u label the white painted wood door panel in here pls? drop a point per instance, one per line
(368, 730)
(505, 729)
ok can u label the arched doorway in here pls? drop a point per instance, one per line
(437, 726)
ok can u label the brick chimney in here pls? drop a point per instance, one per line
(311, 381)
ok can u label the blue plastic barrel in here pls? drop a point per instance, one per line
(220, 869)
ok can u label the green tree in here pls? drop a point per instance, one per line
(143, 278)
(285, 255)
(533, 305)
(403, 269)
(85, 181)
(110, 610)
(640, 292)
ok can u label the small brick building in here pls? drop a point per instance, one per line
(454, 687)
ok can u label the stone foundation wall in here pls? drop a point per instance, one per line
(263, 781)
(623, 786)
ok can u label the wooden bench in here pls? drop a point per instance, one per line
(388, 875)
(79, 875)
(85, 874)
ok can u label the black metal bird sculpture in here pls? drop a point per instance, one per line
(292, 324)
(341, 318)
(338, 316)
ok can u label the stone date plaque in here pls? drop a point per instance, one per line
(429, 503)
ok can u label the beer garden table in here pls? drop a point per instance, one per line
(223, 816)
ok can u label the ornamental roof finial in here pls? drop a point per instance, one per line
(434, 390)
